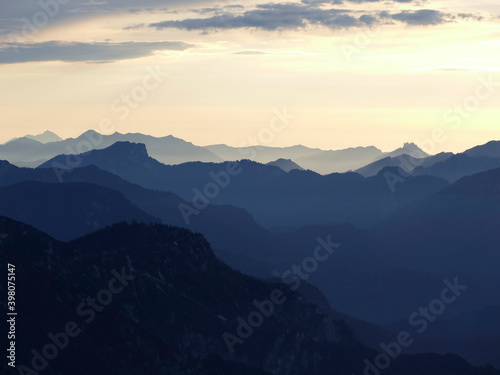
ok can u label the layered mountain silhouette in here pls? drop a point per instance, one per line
(31, 151)
(243, 244)
(274, 197)
(326, 162)
(45, 137)
(261, 154)
(171, 150)
(449, 166)
(67, 211)
(261, 251)
(224, 226)
(401, 226)
(247, 246)
(458, 228)
(320, 161)
(404, 161)
(458, 166)
(170, 302)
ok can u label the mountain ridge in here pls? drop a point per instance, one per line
(180, 305)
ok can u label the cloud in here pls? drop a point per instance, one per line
(11, 53)
(423, 17)
(272, 17)
(283, 16)
(61, 11)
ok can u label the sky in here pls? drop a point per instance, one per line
(324, 73)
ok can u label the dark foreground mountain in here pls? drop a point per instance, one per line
(135, 299)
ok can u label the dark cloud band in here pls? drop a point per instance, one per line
(91, 52)
(275, 16)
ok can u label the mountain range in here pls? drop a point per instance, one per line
(274, 197)
(402, 224)
(30, 151)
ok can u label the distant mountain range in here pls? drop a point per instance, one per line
(171, 150)
(45, 137)
(31, 151)
(168, 150)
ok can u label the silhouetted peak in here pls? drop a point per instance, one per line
(135, 150)
(285, 164)
(409, 148)
(490, 149)
(48, 132)
(90, 133)
(6, 167)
